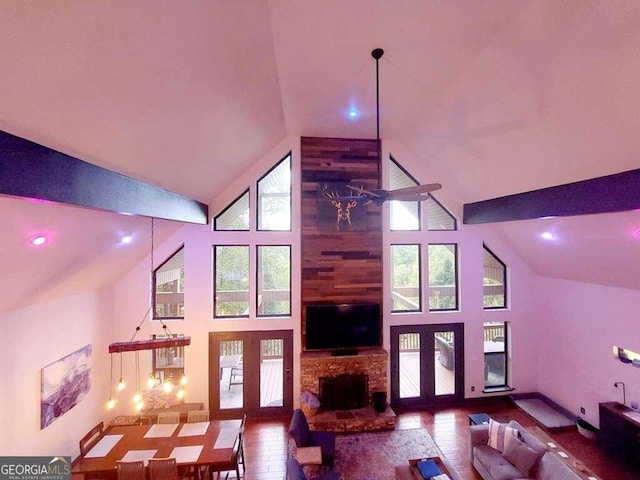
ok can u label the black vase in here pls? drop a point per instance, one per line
(379, 401)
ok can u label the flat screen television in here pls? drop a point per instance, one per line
(343, 327)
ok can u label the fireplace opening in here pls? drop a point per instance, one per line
(344, 392)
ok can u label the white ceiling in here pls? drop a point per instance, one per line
(491, 97)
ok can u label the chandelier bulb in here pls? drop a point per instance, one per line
(180, 394)
(183, 380)
(167, 386)
(111, 403)
(121, 385)
(139, 406)
(151, 381)
(137, 398)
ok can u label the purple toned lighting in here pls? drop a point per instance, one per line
(126, 239)
(547, 235)
(38, 240)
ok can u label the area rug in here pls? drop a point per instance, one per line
(544, 413)
(374, 455)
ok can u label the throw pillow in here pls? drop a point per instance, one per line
(520, 455)
(499, 435)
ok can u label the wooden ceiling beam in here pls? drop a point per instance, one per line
(34, 171)
(618, 192)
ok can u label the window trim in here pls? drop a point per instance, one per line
(257, 276)
(505, 281)
(215, 289)
(455, 220)
(505, 387)
(154, 285)
(258, 204)
(419, 204)
(228, 207)
(456, 269)
(420, 295)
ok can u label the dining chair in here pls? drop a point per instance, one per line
(91, 438)
(130, 470)
(169, 417)
(197, 416)
(237, 374)
(163, 468)
(231, 465)
(241, 446)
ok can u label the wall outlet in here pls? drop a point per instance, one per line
(582, 410)
(473, 388)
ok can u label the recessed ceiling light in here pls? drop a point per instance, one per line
(126, 239)
(38, 240)
(353, 114)
(547, 235)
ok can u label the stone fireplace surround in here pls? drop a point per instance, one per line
(371, 363)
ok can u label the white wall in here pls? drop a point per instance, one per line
(579, 325)
(34, 337)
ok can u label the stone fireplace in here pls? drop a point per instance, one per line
(359, 376)
(344, 392)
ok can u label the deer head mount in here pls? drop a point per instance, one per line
(337, 205)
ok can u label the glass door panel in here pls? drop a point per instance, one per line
(231, 365)
(444, 364)
(409, 363)
(427, 364)
(271, 372)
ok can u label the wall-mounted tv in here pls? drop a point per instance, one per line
(345, 326)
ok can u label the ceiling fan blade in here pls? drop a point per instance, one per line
(413, 194)
(362, 191)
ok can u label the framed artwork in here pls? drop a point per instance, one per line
(65, 383)
(340, 208)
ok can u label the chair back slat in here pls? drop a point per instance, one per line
(91, 438)
(169, 417)
(163, 469)
(130, 470)
(197, 416)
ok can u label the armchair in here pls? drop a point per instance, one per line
(296, 472)
(299, 431)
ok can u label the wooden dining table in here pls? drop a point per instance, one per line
(192, 444)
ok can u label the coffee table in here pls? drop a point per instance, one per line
(478, 418)
(411, 472)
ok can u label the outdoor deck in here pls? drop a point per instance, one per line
(271, 381)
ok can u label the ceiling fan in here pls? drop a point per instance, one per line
(379, 196)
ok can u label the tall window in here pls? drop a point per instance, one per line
(274, 280)
(403, 215)
(168, 287)
(231, 272)
(495, 354)
(405, 278)
(494, 286)
(274, 197)
(443, 277)
(235, 216)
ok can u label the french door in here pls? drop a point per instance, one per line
(427, 364)
(250, 372)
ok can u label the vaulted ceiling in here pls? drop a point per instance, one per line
(491, 97)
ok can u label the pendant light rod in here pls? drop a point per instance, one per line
(377, 54)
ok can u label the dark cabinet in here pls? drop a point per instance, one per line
(619, 433)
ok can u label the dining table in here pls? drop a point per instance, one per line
(200, 444)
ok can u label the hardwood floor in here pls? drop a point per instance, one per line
(266, 441)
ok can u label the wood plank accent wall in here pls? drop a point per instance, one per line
(340, 266)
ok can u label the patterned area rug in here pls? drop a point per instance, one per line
(373, 456)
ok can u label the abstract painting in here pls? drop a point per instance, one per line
(65, 383)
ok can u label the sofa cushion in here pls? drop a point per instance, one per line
(551, 467)
(499, 435)
(299, 428)
(497, 466)
(531, 441)
(520, 455)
